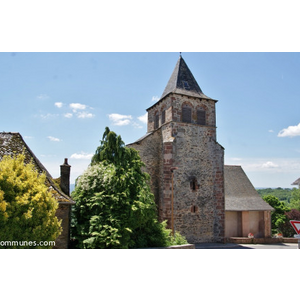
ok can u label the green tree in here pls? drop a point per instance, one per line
(278, 217)
(114, 205)
(280, 193)
(295, 199)
(27, 208)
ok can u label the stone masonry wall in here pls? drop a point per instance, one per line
(173, 107)
(198, 185)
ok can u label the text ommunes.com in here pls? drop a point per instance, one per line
(26, 243)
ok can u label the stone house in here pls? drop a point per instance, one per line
(194, 192)
(12, 143)
(245, 211)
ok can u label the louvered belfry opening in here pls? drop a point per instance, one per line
(163, 117)
(156, 121)
(186, 114)
(201, 117)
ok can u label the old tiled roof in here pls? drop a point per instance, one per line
(183, 82)
(240, 195)
(12, 143)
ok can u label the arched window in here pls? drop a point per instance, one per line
(163, 117)
(194, 209)
(201, 116)
(193, 184)
(156, 120)
(186, 113)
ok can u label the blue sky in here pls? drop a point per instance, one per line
(61, 103)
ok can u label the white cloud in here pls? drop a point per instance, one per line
(84, 115)
(77, 106)
(82, 155)
(42, 97)
(68, 115)
(144, 118)
(269, 165)
(53, 139)
(120, 120)
(155, 98)
(291, 131)
(271, 130)
(58, 104)
(48, 116)
(136, 125)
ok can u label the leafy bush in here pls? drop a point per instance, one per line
(295, 199)
(278, 217)
(27, 208)
(114, 205)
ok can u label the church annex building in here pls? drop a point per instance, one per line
(205, 200)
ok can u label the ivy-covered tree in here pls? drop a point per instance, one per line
(114, 205)
(27, 208)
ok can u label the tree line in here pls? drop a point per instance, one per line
(290, 197)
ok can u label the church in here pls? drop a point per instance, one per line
(198, 196)
(184, 159)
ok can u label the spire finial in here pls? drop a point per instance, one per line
(180, 54)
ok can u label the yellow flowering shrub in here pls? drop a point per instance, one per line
(27, 208)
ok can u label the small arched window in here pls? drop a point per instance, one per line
(201, 117)
(186, 113)
(193, 184)
(156, 120)
(194, 209)
(163, 116)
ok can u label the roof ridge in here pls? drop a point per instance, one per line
(37, 164)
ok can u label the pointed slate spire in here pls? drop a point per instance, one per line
(183, 82)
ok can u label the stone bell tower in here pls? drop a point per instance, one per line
(182, 135)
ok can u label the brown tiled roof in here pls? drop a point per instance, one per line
(240, 195)
(12, 143)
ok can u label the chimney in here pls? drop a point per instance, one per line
(65, 177)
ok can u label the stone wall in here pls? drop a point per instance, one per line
(265, 240)
(198, 184)
(173, 107)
